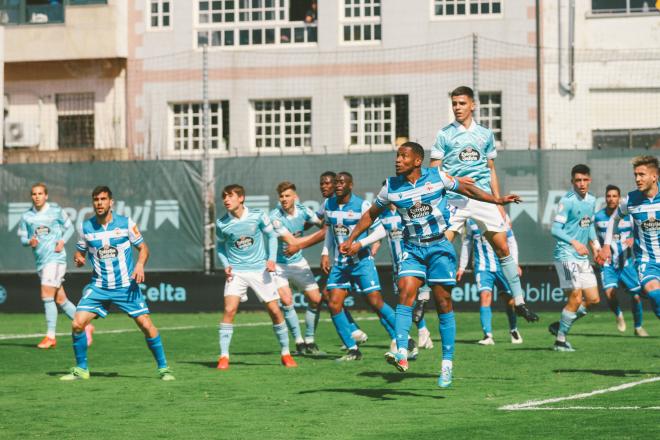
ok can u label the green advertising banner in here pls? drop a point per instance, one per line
(162, 197)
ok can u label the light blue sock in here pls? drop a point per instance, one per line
(69, 309)
(51, 316)
(80, 349)
(351, 322)
(344, 330)
(486, 318)
(581, 312)
(311, 315)
(156, 347)
(654, 295)
(226, 331)
(637, 311)
(510, 272)
(617, 310)
(447, 328)
(421, 324)
(513, 319)
(282, 337)
(387, 319)
(403, 322)
(566, 321)
(291, 318)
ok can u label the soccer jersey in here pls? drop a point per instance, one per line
(575, 215)
(341, 220)
(645, 215)
(108, 248)
(484, 257)
(49, 225)
(465, 152)
(621, 254)
(295, 225)
(422, 205)
(240, 241)
(391, 220)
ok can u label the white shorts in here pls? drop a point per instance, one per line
(52, 274)
(298, 273)
(261, 283)
(575, 275)
(486, 215)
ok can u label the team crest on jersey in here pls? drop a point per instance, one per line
(651, 225)
(341, 230)
(419, 210)
(243, 243)
(107, 253)
(469, 154)
(277, 224)
(42, 230)
(585, 222)
(117, 232)
(429, 186)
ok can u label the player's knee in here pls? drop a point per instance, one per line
(335, 305)
(78, 325)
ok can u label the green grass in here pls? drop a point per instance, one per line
(257, 398)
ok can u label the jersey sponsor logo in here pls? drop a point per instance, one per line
(396, 234)
(107, 253)
(419, 210)
(42, 230)
(651, 225)
(469, 154)
(243, 243)
(341, 230)
(585, 222)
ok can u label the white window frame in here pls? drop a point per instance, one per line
(489, 106)
(282, 124)
(372, 20)
(467, 15)
(171, 138)
(361, 123)
(148, 15)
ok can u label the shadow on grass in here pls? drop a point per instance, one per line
(549, 348)
(397, 377)
(611, 335)
(614, 373)
(214, 364)
(111, 374)
(19, 344)
(383, 394)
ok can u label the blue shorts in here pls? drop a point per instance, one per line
(128, 299)
(486, 281)
(625, 277)
(361, 277)
(648, 272)
(435, 263)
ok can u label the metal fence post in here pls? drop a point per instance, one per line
(475, 74)
(207, 168)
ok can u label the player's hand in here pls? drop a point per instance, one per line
(580, 248)
(291, 249)
(345, 247)
(270, 266)
(629, 243)
(354, 249)
(79, 259)
(509, 198)
(519, 271)
(138, 273)
(228, 273)
(459, 274)
(33, 241)
(59, 246)
(604, 255)
(465, 180)
(325, 264)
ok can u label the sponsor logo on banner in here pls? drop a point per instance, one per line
(165, 292)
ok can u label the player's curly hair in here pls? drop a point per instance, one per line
(417, 148)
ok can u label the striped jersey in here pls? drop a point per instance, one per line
(393, 225)
(293, 224)
(422, 205)
(621, 254)
(240, 241)
(108, 248)
(465, 152)
(576, 217)
(645, 215)
(50, 224)
(341, 220)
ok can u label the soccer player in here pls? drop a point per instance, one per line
(573, 228)
(467, 149)
(620, 271)
(489, 274)
(248, 263)
(46, 228)
(290, 219)
(106, 240)
(419, 195)
(643, 205)
(355, 272)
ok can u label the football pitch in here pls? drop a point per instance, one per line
(609, 388)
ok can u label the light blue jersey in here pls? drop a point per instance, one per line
(574, 221)
(108, 248)
(391, 220)
(422, 205)
(465, 152)
(645, 215)
(293, 224)
(240, 241)
(621, 254)
(49, 225)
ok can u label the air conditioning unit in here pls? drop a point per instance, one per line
(21, 134)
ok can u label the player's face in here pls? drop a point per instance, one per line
(645, 177)
(406, 161)
(612, 198)
(327, 186)
(288, 198)
(39, 197)
(102, 204)
(581, 183)
(462, 106)
(232, 201)
(343, 185)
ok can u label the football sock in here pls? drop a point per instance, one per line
(156, 347)
(69, 309)
(654, 295)
(282, 337)
(565, 323)
(291, 318)
(616, 310)
(637, 311)
(581, 312)
(226, 331)
(486, 318)
(510, 271)
(513, 319)
(447, 328)
(403, 321)
(344, 329)
(351, 322)
(421, 324)
(311, 316)
(51, 316)
(388, 319)
(80, 349)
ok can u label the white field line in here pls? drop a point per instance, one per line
(535, 404)
(176, 328)
(587, 408)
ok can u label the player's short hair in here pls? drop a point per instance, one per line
(609, 188)
(580, 169)
(463, 90)
(345, 173)
(651, 161)
(101, 189)
(233, 188)
(284, 186)
(329, 174)
(417, 149)
(39, 185)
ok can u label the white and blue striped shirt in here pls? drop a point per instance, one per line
(394, 227)
(645, 215)
(621, 254)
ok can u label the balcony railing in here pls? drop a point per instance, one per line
(20, 12)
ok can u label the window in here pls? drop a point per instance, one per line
(626, 138)
(360, 21)
(454, 8)
(188, 126)
(160, 14)
(283, 123)
(75, 120)
(490, 113)
(377, 121)
(623, 6)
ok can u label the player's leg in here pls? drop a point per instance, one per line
(365, 276)
(447, 329)
(290, 315)
(235, 291)
(408, 287)
(69, 309)
(516, 337)
(80, 320)
(302, 276)
(281, 333)
(569, 315)
(486, 317)
(424, 334)
(340, 321)
(650, 281)
(155, 344)
(49, 285)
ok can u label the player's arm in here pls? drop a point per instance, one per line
(376, 235)
(23, 234)
(495, 184)
(369, 217)
(221, 250)
(593, 241)
(558, 231)
(438, 150)
(143, 256)
(267, 228)
(606, 252)
(67, 230)
(472, 191)
(465, 254)
(376, 247)
(80, 255)
(325, 254)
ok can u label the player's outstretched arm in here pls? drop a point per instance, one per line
(473, 192)
(143, 256)
(367, 219)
